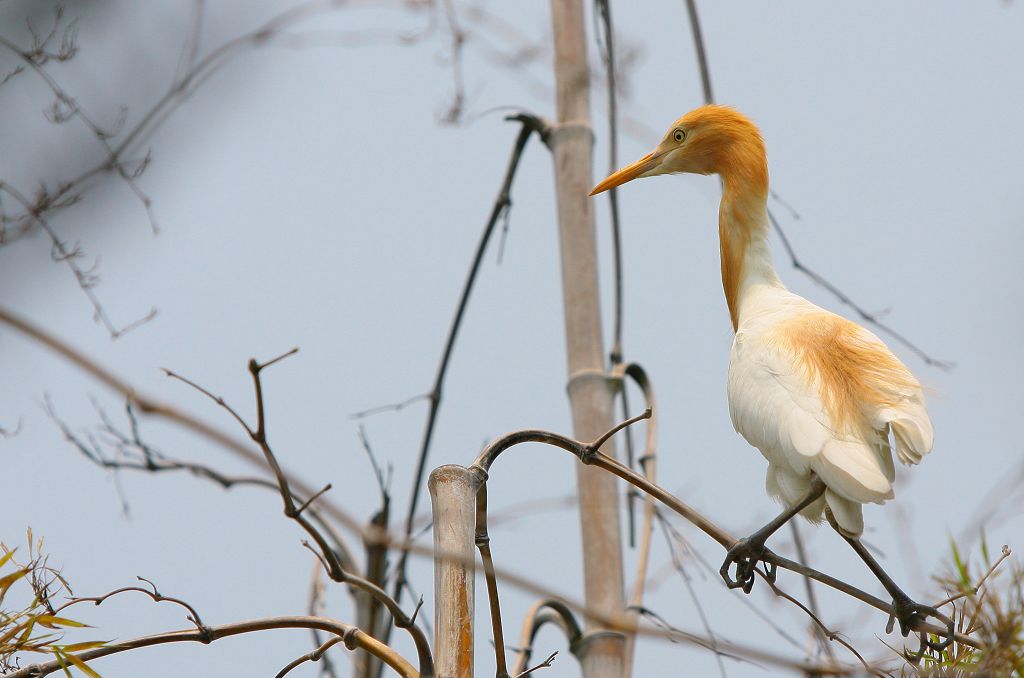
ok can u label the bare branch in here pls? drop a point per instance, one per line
(313, 656)
(391, 407)
(828, 633)
(528, 126)
(698, 45)
(588, 454)
(608, 53)
(542, 612)
(152, 592)
(316, 603)
(483, 543)
(352, 636)
(215, 398)
(543, 665)
(812, 599)
(60, 252)
(329, 558)
(1003, 555)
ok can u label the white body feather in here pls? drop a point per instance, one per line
(780, 406)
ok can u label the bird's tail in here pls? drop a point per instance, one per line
(912, 437)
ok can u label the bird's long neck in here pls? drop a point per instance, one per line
(743, 235)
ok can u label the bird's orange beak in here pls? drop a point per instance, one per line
(628, 173)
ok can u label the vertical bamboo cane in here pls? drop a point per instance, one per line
(590, 398)
(453, 501)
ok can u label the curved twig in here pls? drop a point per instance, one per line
(588, 453)
(330, 559)
(529, 125)
(154, 594)
(648, 462)
(314, 656)
(546, 611)
(352, 636)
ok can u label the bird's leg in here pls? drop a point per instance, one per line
(746, 553)
(907, 612)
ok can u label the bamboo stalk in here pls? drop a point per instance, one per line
(453, 501)
(591, 398)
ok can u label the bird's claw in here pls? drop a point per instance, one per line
(909, 614)
(746, 554)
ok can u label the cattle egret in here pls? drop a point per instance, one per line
(823, 399)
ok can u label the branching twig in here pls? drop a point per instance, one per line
(368, 609)
(528, 125)
(316, 603)
(677, 562)
(331, 562)
(1004, 554)
(589, 453)
(152, 592)
(185, 82)
(352, 636)
(86, 278)
(315, 655)
(548, 610)
(828, 633)
(136, 455)
(543, 665)
(812, 599)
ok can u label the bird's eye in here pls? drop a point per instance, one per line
(679, 135)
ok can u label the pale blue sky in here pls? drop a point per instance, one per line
(309, 197)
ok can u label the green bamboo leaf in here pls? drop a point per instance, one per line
(82, 666)
(59, 656)
(78, 647)
(7, 556)
(52, 622)
(9, 580)
(961, 568)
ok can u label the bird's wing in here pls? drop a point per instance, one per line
(771, 408)
(779, 410)
(899, 405)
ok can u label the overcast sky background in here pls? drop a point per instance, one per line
(309, 197)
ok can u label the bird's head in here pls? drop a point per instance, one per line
(708, 140)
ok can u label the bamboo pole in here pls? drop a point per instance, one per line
(590, 391)
(453, 501)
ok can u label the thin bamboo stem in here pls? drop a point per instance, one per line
(591, 399)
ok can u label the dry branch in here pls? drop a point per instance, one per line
(352, 636)
(590, 454)
(528, 126)
(332, 564)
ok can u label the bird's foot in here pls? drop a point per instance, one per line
(746, 554)
(909, 613)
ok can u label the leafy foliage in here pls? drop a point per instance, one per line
(991, 611)
(36, 626)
